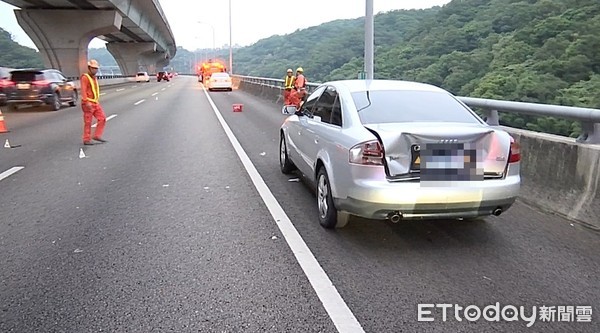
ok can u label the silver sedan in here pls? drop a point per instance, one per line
(384, 149)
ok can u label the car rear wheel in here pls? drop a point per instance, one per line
(73, 101)
(55, 103)
(285, 164)
(329, 216)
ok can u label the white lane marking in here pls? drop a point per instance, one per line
(339, 312)
(120, 89)
(102, 94)
(107, 119)
(10, 172)
(163, 89)
(156, 93)
(139, 102)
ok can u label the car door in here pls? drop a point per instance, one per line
(320, 133)
(298, 133)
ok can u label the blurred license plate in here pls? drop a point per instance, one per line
(448, 162)
(23, 86)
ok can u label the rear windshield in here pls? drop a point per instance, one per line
(141, 74)
(392, 106)
(26, 76)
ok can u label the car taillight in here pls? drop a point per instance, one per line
(368, 153)
(6, 83)
(40, 83)
(515, 151)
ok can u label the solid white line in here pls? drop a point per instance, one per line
(339, 312)
(139, 102)
(107, 119)
(120, 89)
(10, 172)
(155, 94)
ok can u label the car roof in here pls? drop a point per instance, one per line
(28, 70)
(373, 85)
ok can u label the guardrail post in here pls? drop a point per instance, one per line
(590, 133)
(492, 118)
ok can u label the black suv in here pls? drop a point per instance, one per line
(162, 76)
(37, 87)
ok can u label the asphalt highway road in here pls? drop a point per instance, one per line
(169, 228)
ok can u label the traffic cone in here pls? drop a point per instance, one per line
(3, 128)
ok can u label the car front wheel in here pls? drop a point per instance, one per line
(329, 217)
(73, 101)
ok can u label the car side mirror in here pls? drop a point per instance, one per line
(289, 109)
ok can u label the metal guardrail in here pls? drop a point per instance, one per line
(589, 118)
(102, 77)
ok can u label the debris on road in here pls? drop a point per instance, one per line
(294, 180)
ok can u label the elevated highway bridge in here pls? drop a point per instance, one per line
(136, 31)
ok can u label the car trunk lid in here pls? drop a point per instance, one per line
(442, 151)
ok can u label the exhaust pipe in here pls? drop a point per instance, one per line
(497, 211)
(395, 217)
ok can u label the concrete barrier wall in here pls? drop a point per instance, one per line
(558, 174)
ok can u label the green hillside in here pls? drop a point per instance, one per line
(14, 55)
(545, 51)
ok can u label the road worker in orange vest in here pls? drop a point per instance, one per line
(300, 83)
(299, 91)
(90, 104)
(288, 86)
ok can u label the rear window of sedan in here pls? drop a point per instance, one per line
(393, 106)
(19, 76)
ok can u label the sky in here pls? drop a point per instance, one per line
(193, 21)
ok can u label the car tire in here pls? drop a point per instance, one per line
(329, 216)
(55, 102)
(73, 101)
(285, 164)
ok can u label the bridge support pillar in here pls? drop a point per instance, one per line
(129, 55)
(154, 61)
(62, 35)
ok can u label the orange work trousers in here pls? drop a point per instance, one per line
(295, 98)
(287, 97)
(91, 111)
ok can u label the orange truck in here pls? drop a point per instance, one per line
(208, 68)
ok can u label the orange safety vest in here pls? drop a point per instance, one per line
(289, 82)
(94, 87)
(300, 82)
